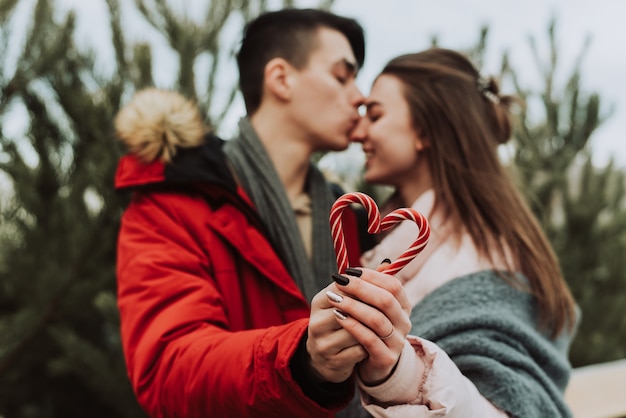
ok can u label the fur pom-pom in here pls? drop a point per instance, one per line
(155, 122)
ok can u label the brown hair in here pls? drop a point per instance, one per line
(289, 34)
(465, 118)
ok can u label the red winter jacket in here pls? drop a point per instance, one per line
(210, 317)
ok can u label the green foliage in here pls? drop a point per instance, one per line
(64, 216)
(60, 351)
(581, 207)
(591, 243)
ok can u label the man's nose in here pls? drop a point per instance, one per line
(357, 97)
(359, 133)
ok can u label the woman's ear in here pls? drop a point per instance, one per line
(421, 143)
(278, 78)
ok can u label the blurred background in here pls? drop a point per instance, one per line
(67, 66)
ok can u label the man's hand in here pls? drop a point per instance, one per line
(376, 313)
(332, 350)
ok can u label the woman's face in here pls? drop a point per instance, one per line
(390, 143)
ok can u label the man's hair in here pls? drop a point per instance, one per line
(289, 34)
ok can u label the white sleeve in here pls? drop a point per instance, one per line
(426, 383)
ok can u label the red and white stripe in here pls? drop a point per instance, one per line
(418, 245)
(336, 226)
(374, 226)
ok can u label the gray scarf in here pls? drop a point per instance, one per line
(259, 179)
(488, 328)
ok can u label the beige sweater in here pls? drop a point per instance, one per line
(426, 382)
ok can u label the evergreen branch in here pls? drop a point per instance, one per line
(151, 17)
(326, 4)
(215, 19)
(117, 36)
(93, 367)
(187, 56)
(10, 90)
(39, 26)
(16, 167)
(247, 10)
(46, 179)
(553, 45)
(6, 9)
(215, 60)
(142, 60)
(171, 25)
(48, 312)
(46, 52)
(231, 98)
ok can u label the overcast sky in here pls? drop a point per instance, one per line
(398, 26)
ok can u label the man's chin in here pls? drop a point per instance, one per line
(341, 145)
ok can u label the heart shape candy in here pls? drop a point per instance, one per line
(374, 226)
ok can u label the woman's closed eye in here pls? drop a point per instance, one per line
(373, 117)
(373, 111)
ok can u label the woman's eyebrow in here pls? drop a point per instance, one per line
(372, 104)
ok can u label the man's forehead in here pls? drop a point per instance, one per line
(335, 47)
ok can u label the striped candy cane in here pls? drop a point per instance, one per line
(418, 245)
(374, 226)
(336, 226)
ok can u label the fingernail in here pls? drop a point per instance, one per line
(354, 272)
(334, 297)
(386, 260)
(340, 280)
(339, 314)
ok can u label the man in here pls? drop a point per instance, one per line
(225, 243)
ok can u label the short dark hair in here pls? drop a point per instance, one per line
(289, 34)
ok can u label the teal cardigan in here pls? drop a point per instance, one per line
(488, 328)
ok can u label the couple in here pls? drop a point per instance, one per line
(225, 256)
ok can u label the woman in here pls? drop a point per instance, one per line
(492, 314)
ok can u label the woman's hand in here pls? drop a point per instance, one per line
(374, 309)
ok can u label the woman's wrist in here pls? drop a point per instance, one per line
(375, 379)
(404, 384)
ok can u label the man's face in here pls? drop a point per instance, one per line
(325, 99)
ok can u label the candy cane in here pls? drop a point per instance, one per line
(374, 226)
(418, 245)
(336, 227)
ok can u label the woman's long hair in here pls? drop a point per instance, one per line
(465, 119)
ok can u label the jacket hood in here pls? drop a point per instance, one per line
(155, 123)
(168, 144)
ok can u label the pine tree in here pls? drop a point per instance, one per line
(60, 348)
(581, 207)
(60, 351)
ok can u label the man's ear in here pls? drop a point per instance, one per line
(278, 80)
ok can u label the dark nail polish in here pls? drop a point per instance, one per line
(340, 280)
(386, 260)
(354, 272)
